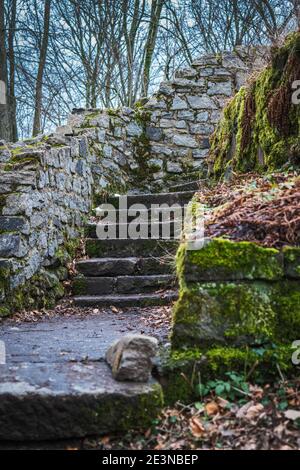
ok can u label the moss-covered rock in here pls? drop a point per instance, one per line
(261, 125)
(181, 371)
(292, 261)
(233, 297)
(222, 259)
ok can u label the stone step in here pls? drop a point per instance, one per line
(187, 186)
(119, 248)
(122, 301)
(164, 215)
(45, 401)
(154, 230)
(147, 200)
(124, 266)
(122, 284)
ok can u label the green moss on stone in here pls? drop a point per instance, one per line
(261, 126)
(292, 261)
(221, 259)
(79, 285)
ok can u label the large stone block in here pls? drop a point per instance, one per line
(224, 260)
(237, 313)
(201, 102)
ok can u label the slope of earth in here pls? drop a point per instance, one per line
(262, 209)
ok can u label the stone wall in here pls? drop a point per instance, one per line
(45, 192)
(164, 140)
(48, 184)
(239, 303)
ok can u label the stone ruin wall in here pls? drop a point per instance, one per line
(164, 140)
(48, 184)
(45, 193)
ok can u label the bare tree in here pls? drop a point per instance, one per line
(4, 105)
(156, 8)
(40, 73)
(11, 57)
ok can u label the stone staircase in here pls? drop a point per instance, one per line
(125, 272)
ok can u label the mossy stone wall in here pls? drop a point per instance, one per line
(45, 193)
(237, 297)
(261, 125)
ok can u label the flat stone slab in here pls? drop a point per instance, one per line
(56, 385)
(65, 400)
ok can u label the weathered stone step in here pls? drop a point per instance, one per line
(40, 401)
(130, 300)
(155, 230)
(187, 186)
(180, 198)
(124, 266)
(163, 214)
(126, 247)
(122, 284)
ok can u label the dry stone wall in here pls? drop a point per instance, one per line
(45, 192)
(49, 184)
(164, 140)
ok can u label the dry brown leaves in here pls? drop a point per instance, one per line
(218, 424)
(258, 209)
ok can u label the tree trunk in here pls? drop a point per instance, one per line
(4, 105)
(40, 74)
(11, 57)
(156, 9)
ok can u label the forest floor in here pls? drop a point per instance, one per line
(262, 209)
(232, 414)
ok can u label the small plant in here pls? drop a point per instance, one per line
(235, 387)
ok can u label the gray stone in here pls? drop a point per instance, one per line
(186, 115)
(158, 149)
(5, 155)
(154, 103)
(101, 135)
(202, 116)
(11, 245)
(13, 224)
(178, 104)
(185, 141)
(206, 72)
(201, 102)
(154, 133)
(131, 358)
(183, 82)
(206, 60)
(201, 128)
(188, 72)
(200, 154)
(155, 162)
(101, 121)
(166, 89)
(173, 167)
(204, 143)
(64, 130)
(133, 130)
(220, 88)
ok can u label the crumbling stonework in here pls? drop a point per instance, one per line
(164, 140)
(50, 183)
(45, 190)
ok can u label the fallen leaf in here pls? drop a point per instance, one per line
(211, 408)
(292, 414)
(105, 440)
(197, 428)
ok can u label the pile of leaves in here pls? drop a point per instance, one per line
(261, 209)
(231, 415)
